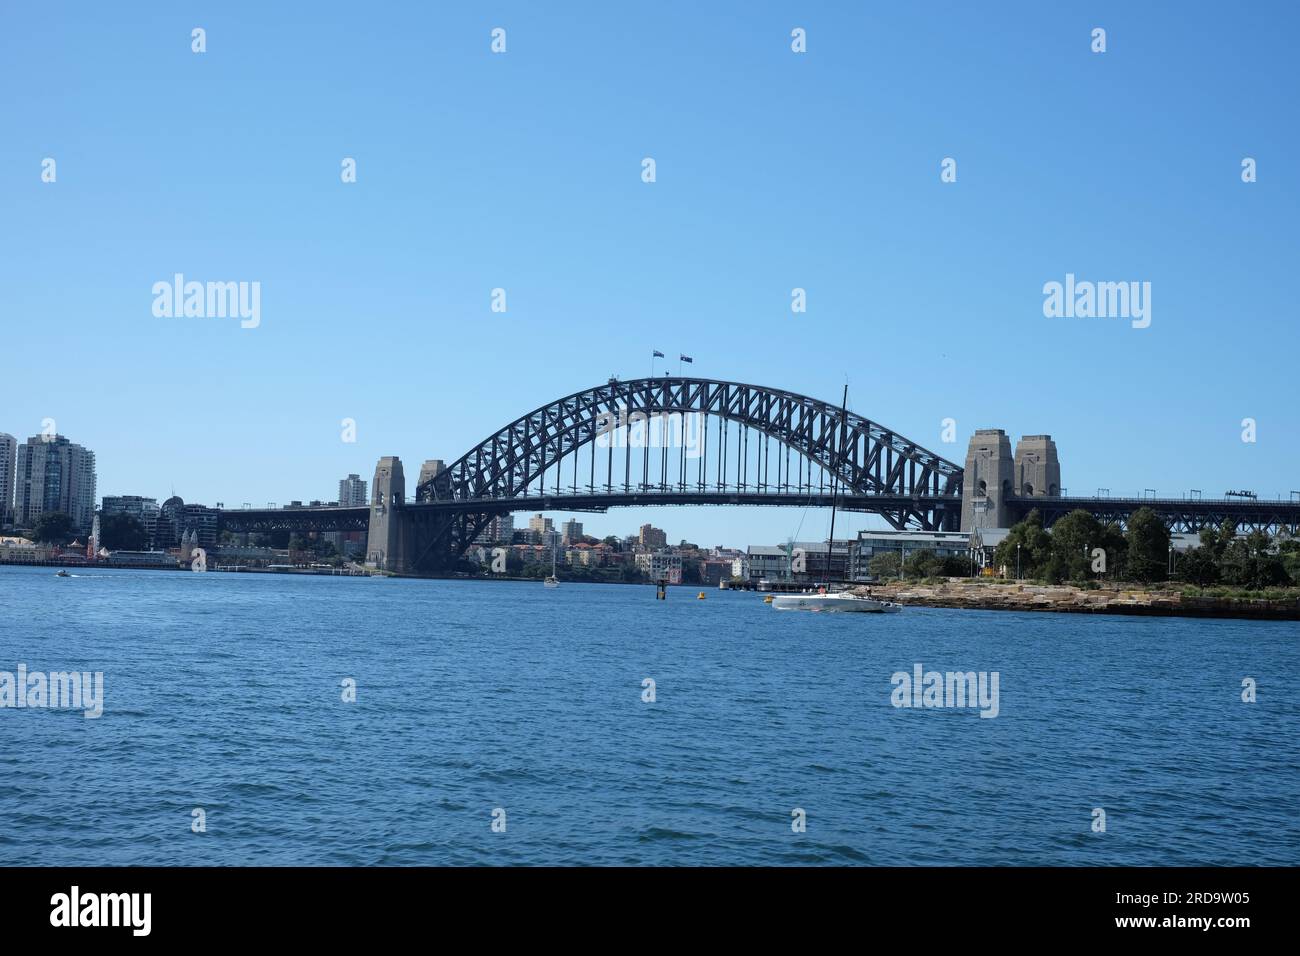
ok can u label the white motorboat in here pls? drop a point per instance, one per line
(839, 601)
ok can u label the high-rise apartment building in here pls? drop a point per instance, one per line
(571, 532)
(8, 458)
(201, 521)
(500, 530)
(143, 510)
(352, 492)
(652, 538)
(54, 474)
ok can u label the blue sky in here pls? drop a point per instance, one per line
(522, 171)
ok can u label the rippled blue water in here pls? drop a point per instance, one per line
(223, 692)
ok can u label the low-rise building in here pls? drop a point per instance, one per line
(661, 566)
(802, 561)
(141, 559)
(713, 570)
(942, 544)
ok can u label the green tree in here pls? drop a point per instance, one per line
(955, 566)
(884, 565)
(120, 532)
(922, 564)
(1197, 566)
(1148, 546)
(1035, 547)
(1073, 538)
(1289, 551)
(1115, 548)
(1217, 540)
(52, 527)
(1252, 562)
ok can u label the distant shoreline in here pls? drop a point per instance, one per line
(955, 594)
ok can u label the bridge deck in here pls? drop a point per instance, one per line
(1180, 514)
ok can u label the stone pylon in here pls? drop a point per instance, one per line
(384, 543)
(987, 483)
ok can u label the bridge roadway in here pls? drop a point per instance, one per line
(356, 518)
(1180, 515)
(1186, 515)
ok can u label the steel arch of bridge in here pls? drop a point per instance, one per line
(915, 486)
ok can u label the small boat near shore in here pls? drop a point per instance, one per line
(822, 599)
(839, 601)
(551, 581)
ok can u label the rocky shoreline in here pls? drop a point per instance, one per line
(1064, 598)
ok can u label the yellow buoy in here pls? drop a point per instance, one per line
(768, 599)
(700, 596)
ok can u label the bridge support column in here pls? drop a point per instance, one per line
(386, 545)
(987, 482)
(1038, 469)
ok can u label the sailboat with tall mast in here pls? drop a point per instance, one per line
(551, 580)
(838, 600)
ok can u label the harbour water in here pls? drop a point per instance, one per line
(224, 693)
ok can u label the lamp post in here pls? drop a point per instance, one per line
(1017, 561)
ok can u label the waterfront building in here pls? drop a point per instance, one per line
(141, 559)
(54, 474)
(942, 544)
(713, 570)
(143, 510)
(802, 561)
(767, 562)
(203, 522)
(167, 530)
(178, 521)
(539, 524)
(8, 463)
(661, 565)
(21, 550)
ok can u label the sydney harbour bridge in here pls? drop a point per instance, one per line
(692, 441)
